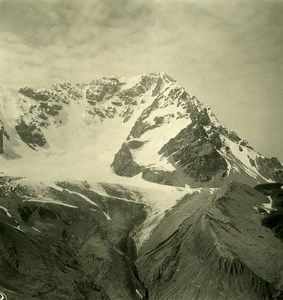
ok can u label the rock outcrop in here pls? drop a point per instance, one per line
(124, 164)
(30, 134)
(196, 154)
(271, 167)
(274, 218)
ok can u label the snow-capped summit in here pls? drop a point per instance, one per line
(147, 126)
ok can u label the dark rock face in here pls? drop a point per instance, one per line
(157, 87)
(100, 89)
(210, 247)
(200, 117)
(3, 133)
(30, 134)
(52, 110)
(40, 96)
(66, 91)
(156, 176)
(144, 85)
(123, 163)
(45, 110)
(68, 250)
(135, 144)
(270, 168)
(195, 153)
(274, 220)
(60, 92)
(141, 127)
(269, 189)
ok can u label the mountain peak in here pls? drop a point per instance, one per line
(155, 129)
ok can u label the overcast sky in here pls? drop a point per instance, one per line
(227, 53)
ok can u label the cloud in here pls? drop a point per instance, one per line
(109, 33)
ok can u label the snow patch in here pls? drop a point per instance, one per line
(82, 196)
(139, 294)
(35, 229)
(6, 211)
(52, 201)
(107, 216)
(268, 206)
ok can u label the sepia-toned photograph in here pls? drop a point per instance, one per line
(141, 150)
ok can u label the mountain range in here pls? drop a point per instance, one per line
(130, 188)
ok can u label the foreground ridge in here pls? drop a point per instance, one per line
(73, 240)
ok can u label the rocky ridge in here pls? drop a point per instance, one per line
(213, 247)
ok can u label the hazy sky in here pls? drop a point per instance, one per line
(227, 53)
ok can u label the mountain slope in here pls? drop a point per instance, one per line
(213, 247)
(65, 241)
